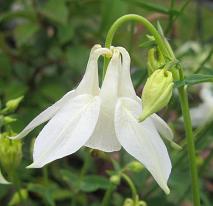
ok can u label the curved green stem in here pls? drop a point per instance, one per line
(190, 142)
(160, 40)
(132, 187)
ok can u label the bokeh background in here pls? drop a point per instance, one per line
(44, 48)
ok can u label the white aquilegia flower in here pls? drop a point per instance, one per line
(103, 119)
(204, 111)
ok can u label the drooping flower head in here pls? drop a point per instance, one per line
(105, 119)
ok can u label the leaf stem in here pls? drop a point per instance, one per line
(190, 141)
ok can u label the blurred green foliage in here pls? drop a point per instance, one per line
(44, 47)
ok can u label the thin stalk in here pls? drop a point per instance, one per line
(45, 175)
(133, 17)
(107, 196)
(190, 142)
(132, 187)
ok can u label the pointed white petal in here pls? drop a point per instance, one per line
(3, 180)
(45, 115)
(200, 114)
(142, 141)
(104, 137)
(126, 88)
(67, 131)
(89, 83)
(162, 127)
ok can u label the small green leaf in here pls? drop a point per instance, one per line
(24, 32)
(56, 11)
(93, 182)
(152, 7)
(65, 33)
(194, 79)
(16, 200)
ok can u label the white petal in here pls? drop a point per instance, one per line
(89, 83)
(200, 114)
(126, 88)
(67, 131)
(162, 127)
(142, 141)
(206, 93)
(104, 137)
(3, 180)
(45, 115)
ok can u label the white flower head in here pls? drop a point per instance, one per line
(103, 119)
(204, 111)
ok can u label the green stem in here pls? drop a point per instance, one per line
(132, 187)
(190, 142)
(45, 175)
(18, 187)
(108, 194)
(161, 41)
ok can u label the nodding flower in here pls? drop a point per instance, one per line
(103, 118)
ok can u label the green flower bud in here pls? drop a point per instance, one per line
(155, 60)
(10, 154)
(135, 166)
(142, 203)
(8, 120)
(156, 93)
(128, 202)
(115, 179)
(11, 105)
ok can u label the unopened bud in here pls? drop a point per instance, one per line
(128, 202)
(135, 166)
(115, 179)
(155, 60)
(11, 105)
(8, 120)
(10, 154)
(156, 93)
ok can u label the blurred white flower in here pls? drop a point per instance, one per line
(204, 111)
(104, 119)
(2, 179)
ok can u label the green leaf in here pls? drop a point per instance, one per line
(194, 79)
(24, 32)
(70, 177)
(117, 8)
(24, 14)
(152, 6)
(93, 182)
(6, 66)
(56, 11)
(65, 33)
(16, 200)
(45, 191)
